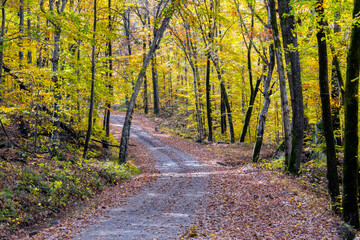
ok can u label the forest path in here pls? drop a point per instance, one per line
(165, 209)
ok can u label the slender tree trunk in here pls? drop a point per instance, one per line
(39, 60)
(109, 78)
(55, 138)
(21, 31)
(253, 93)
(250, 109)
(2, 36)
(282, 83)
(332, 175)
(197, 103)
(155, 81)
(287, 22)
(264, 110)
(337, 84)
(228, 109)
(208, 100)
(350, 212)
(29, 53)
(215, 61)
(126, 18)
(146, 101)
(127, 123)
(91, 109)
(222, 113)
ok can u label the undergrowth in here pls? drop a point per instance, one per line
(40, 188)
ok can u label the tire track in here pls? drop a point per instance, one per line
(164, 210)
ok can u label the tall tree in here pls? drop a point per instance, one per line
(337, 83)
(109, 54)
(262, 117)
(287, 22)
(2, 36)
(52, 13)
(21, 31)
(211, 26)
(253, 90)
(350, 211)
(331, 160)
(282, 81)
(92, 91)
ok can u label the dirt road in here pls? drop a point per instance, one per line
(167, 208)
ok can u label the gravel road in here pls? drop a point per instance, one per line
(164, 210)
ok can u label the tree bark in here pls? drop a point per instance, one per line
(215, 61)
(2, 36)
(264, 110)
(350, 212)
(208, 100)
(109, 54)
(337, 85)
(21, 31)
(253, 91)
(146, 100)
(222, 113)
(287, 22)
(197, 101)
(127, 123)
(29, 53)
(282, 83)
(155, 82)
(332, 175)
(93, 69)
(253, 94)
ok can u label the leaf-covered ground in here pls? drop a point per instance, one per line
(250, 202)
(247, 201)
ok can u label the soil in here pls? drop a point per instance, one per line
(191, 190)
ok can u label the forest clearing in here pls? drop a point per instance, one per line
(253, 108)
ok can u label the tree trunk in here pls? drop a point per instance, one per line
(337, 85)
(127, 123)
(91, 110)
(197, 103)
(250, 108)
(29, 53)
(350, 212)
(155, 81)
(215, 61)
(223, 114)
(126, 18)
(264, 110)
(208, 100)
(21, 31)
(282, 83)
(287, 22)
(55, 138)
(109, 54)
(332, 175)
(146, 101)
(253, 93)
(2, 36)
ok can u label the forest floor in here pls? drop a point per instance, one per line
(217, 194)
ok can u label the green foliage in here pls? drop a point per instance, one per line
(43, 188)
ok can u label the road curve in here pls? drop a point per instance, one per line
(165, 209)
